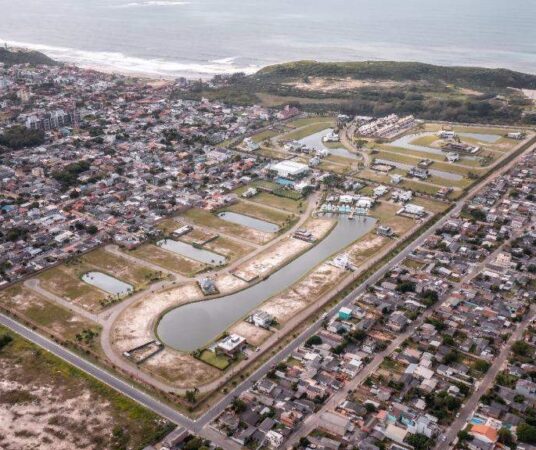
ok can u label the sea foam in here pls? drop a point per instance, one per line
(119, 62)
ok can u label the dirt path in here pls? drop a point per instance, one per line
(34, 285)
(114, 250)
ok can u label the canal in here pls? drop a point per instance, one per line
(193, 326)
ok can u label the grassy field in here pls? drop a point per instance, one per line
(64, 281)
(280, 218)
(414, 161)
(217, 361)
(425, 141)
(434, 206)
(168, 260)
(168, 226)
(44, 313)
(276, 201)
(46, 403)
(341, 169)
(260, 137)
(385, 212)
(228, 247)
(419, 187)
(306, 131)
(137, 275)
(327, 121)
(209, 220)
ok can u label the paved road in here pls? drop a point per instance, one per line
(101, 374)
(470, 406)
(312, 422)
(197, 426)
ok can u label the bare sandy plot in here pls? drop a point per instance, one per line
(227, 283)
(366, 247)
(319, 227)
(271, 259)
(287, 304)
(44, 422)
(340, 84)
(134, 326)
(254, 335)
(47, 404)
(181, 369)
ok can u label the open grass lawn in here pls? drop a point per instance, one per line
(168, 260)
(489, 151)
(419, 187)
(264, 135)
(280, 218)
(415, 158)
(328, 121)
(228, 247)
(425, 141)
(276, 201)
(218, 361)
(341, 169)
(271, 153)
(168, 226)
(65, 282)
(206, 219)
(449, 183)
(307, 130)
(385, 212)
(412, 264)
(47, 403)
(137, 275)
(44, 313)
(434, 206)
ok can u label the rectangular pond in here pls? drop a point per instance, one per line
(188, 250)
(107, 283)
(194, 325)
(248, 221)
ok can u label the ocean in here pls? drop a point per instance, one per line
(201, 38)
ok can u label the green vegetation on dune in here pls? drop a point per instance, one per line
(11, 57)
(462, 94)
(476, 77)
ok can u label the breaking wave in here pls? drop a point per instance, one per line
(119, 62)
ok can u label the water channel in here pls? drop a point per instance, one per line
(192, 326)
(247, 221)
(188, 250)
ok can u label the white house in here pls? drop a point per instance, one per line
(290, 169)
(331, 137)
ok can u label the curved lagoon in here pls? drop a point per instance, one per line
(192, 326)
(188, 250)
(315, 141)
(107, 283)
(247, 221)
